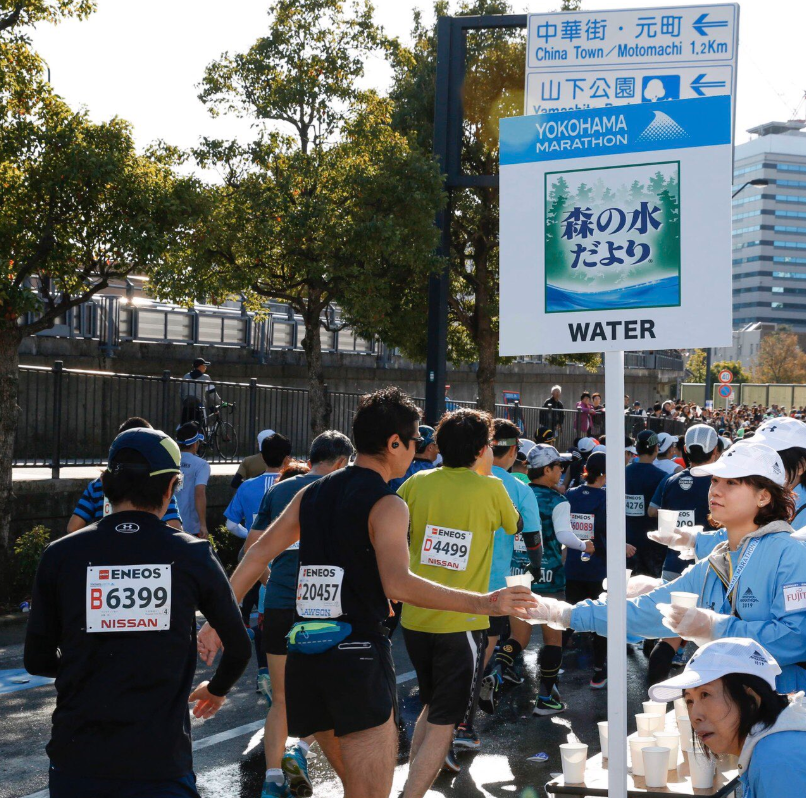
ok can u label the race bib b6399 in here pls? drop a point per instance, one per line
(128, 598)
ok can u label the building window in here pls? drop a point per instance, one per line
(776, 304)
(778, 289)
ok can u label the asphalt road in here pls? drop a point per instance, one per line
(229, 751)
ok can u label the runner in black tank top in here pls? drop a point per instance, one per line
(353, 557)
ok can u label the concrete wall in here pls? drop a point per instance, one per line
(348, 373)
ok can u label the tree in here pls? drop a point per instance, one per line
(78, 207)
(696, 365)
(734, 366)
(493, 89)
(780, 359)
(339, 211)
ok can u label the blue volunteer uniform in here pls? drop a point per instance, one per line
(769, 598)
(689, 496)
(504, 545)
(589, 522)
(91, 505)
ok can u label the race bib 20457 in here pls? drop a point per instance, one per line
(582, 525)
(446, 548)
(634, 504)
(795, 597)
(319, 591)
(128, 598)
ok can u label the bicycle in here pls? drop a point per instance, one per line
(219, 435)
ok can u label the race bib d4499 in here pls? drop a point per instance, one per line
(128, 598)
(319, 591)
(446, 548)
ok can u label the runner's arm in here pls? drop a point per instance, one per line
(561, 516)
(388, 530)
(200, 497)
(274, 541)
(76, 522)
(41, 656)
(237, 529)
(219, 607)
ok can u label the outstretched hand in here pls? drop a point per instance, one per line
(208, 644)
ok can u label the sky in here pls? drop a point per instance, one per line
(142, 60)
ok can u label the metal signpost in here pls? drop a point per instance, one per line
(725, 388)
(615, 235)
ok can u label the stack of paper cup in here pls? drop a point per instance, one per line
(681, 599)
(517, 580)
(602, 724)
(684, 727)
(680, 707)
(655, 708)
(702, 770)
(655, 759)
(637, 744)
(573, 757)
(649, 722)
(671, 740)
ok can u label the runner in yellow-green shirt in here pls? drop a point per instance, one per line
(455, 511)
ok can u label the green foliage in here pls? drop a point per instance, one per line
(696, 365)
(226, 546)
(735, 366)
(28, 550)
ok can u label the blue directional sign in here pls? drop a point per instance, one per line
(593, 59)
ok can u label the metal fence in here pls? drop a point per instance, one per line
(69, 416)
(765, 394)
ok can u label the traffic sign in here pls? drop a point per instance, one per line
(593, 59)
(725, 376)
(605, 216)
(725, 391)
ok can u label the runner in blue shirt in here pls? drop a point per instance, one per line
(424, 457)
(505, 451)
(92, 506)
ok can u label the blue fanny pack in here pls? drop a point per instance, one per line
(315, 637)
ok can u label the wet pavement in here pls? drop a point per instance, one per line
(228, 750)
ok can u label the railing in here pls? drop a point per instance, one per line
(765, 394)
(69, 417)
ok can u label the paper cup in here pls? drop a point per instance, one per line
(680, 707)
(602, 724)
(654, 708)
(637, 744)
(671, 740)
(655, 759)
(680, 599)
(702, 770)
(573, 757)
(667, 520)
(684, 727)
(518, 580)
(648, 723)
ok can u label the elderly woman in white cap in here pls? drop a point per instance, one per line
(751, 585)
(733, 706)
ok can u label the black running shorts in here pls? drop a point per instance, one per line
(276, 625)
(446, 666)
(499, 626)
(349, 688)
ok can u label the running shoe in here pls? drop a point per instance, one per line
(264, 687)
(550, 706)
(490, 689)
(295, 767)
(451, 763)
(599, 679)
(511, 674)
(271, 789)
(466, 737)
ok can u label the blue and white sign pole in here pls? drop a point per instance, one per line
(616, 235)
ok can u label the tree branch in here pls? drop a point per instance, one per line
(11, 19)
(47, 319)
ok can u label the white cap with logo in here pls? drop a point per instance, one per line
(746, 459)
(587, 445)
(715, 660)
(782, 433)
(702, 435)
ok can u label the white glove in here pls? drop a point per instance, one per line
(557, 614)
(800, 534)
(640, 584)
(679, 539)
(690, 623)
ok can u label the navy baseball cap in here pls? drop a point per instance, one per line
(160, 450)
(646, 441)
(544, 435)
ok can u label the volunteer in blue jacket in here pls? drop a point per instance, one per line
(729, 689)
(788, 437)
(751, 585)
